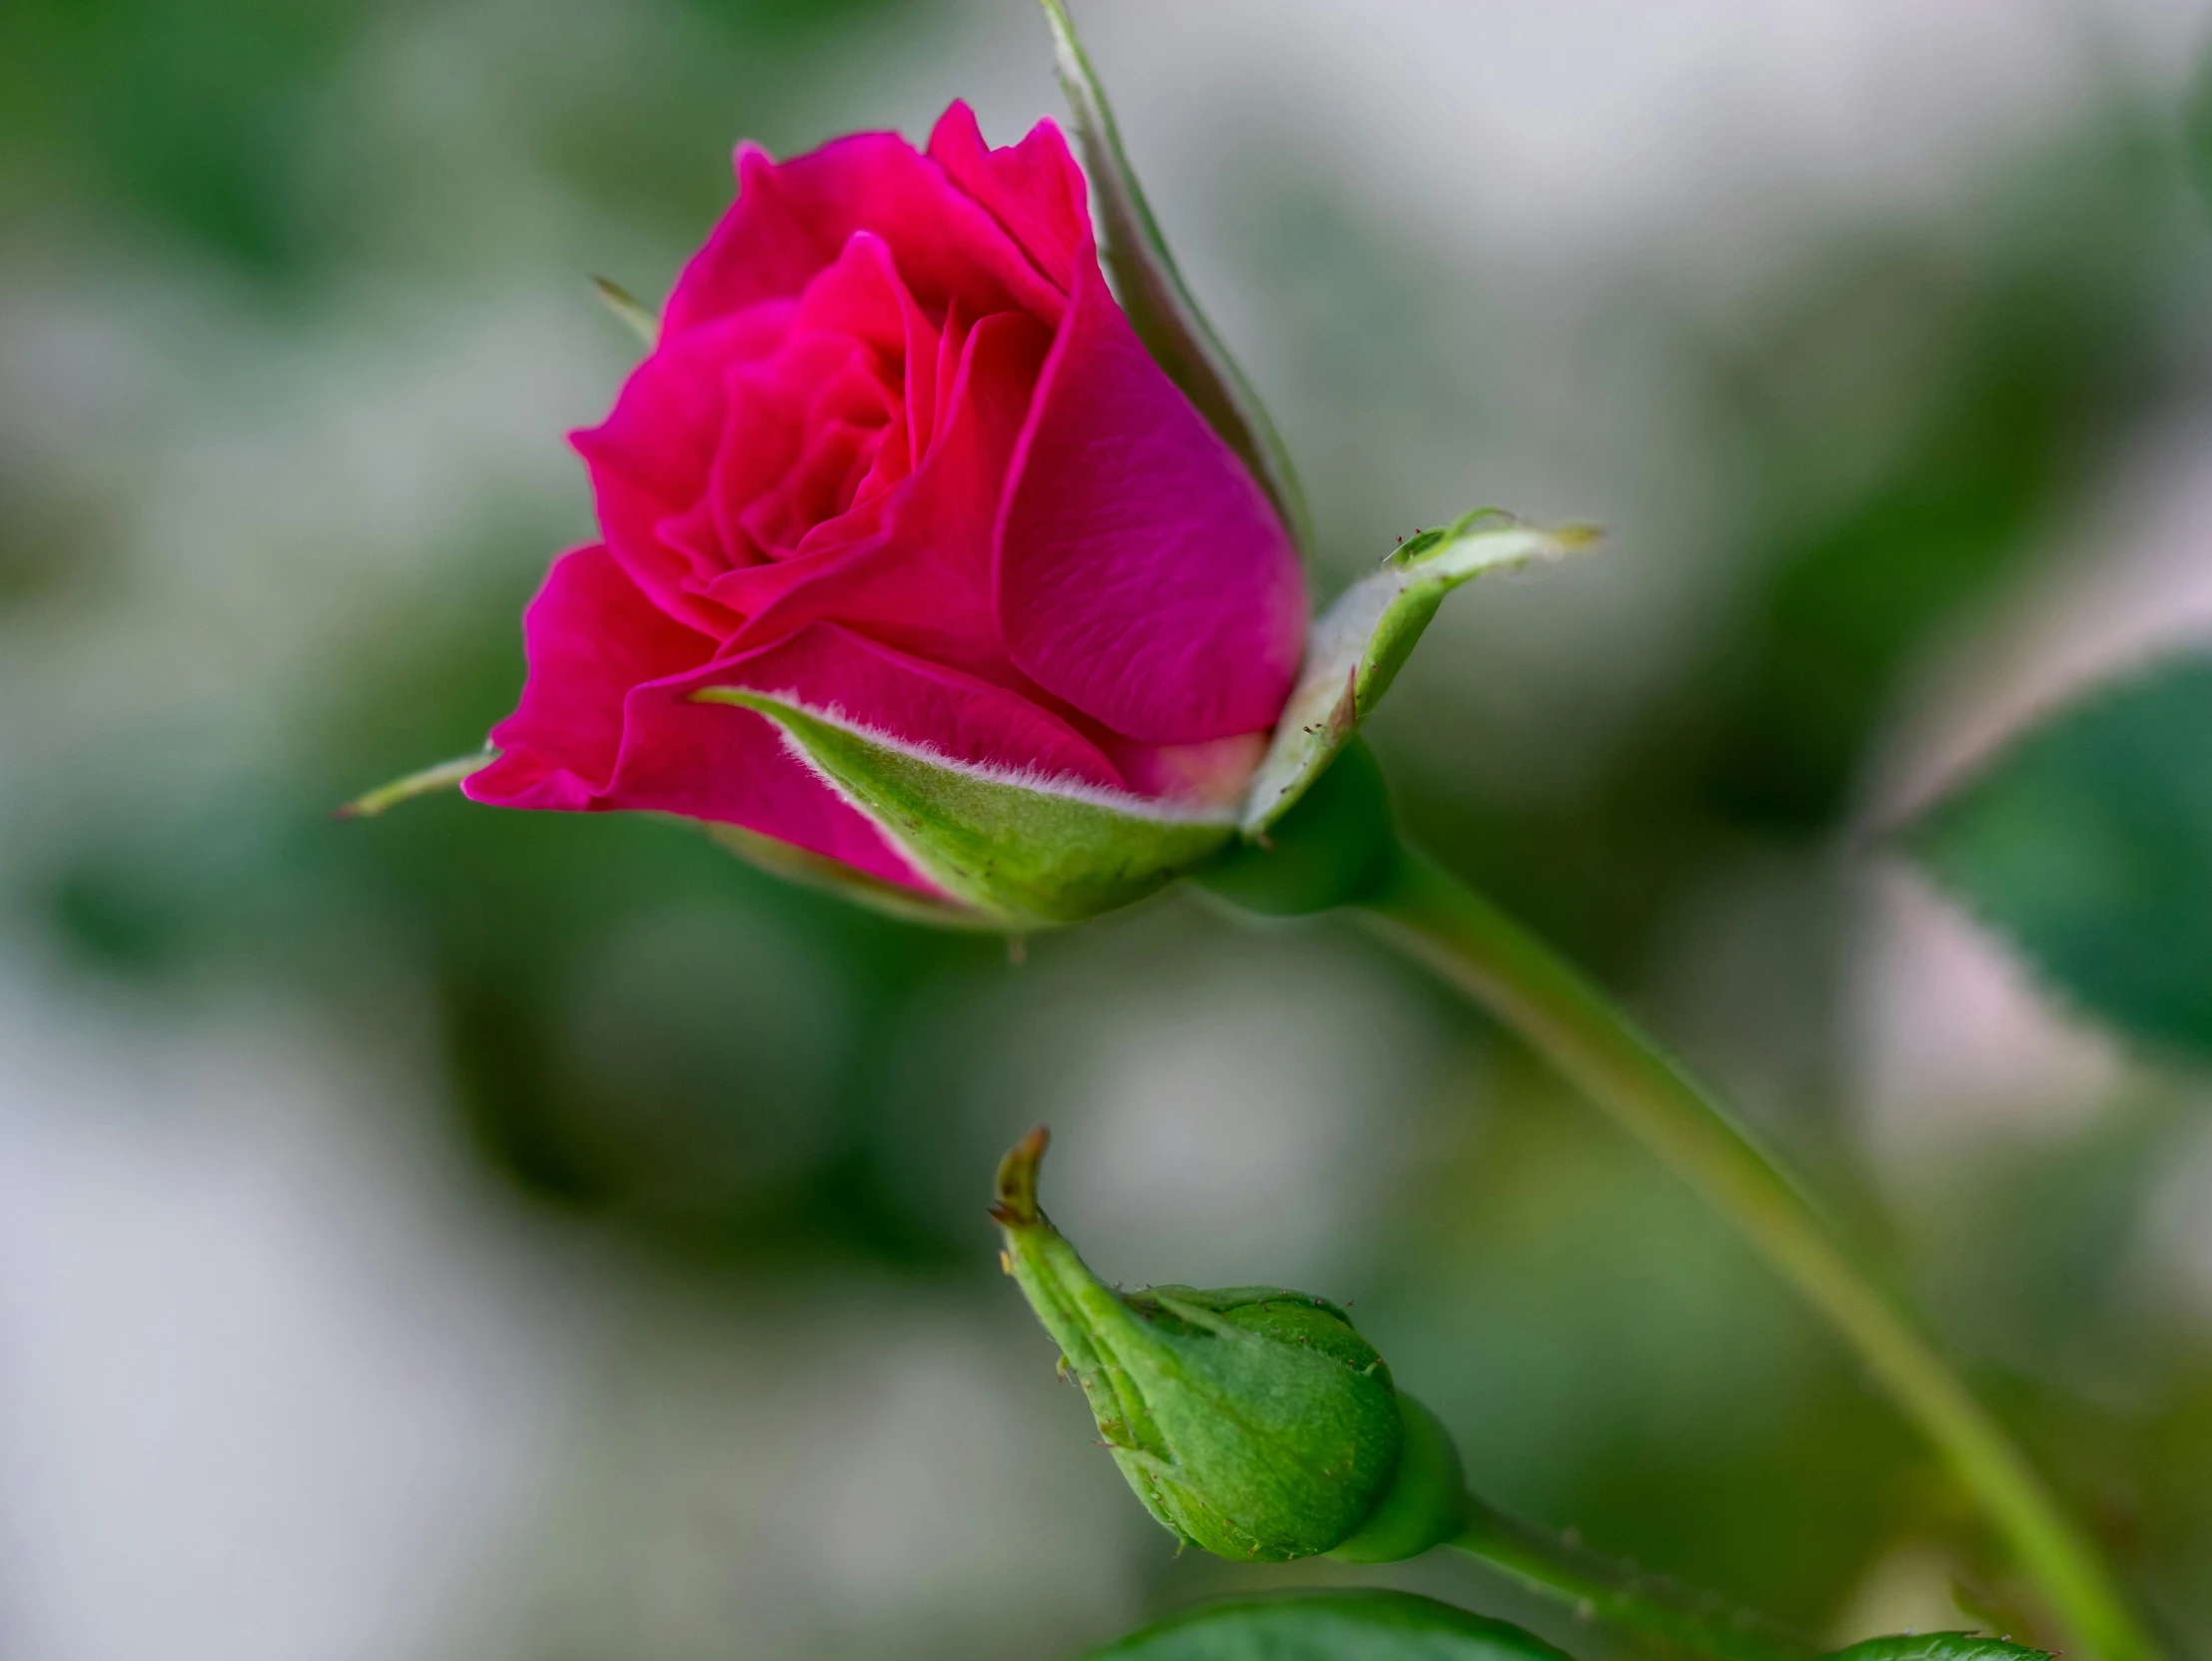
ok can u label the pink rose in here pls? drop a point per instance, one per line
(898, 458)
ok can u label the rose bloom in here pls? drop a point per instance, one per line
(898, 456)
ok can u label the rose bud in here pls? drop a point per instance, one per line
(913, 567)
(1250, 1420)
(927, 572)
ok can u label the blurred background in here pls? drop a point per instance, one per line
(539, 1239)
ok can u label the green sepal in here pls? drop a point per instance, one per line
(1012, 852)
(1939, 1646)
(833, 876)
(1374, 1625)
(636, 317)
(1159, 303)
(1357, 647)
(1336, 846)
(424, 782)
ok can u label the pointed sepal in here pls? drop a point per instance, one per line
(1159, 305)
(634, 313)
(1011, 851)
(1358, 645)
(424, 782)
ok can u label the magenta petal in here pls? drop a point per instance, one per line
(828, 668)
(1034, 188)
(650, 459)
(923, 582)
(1213, 775)
(791, 220)
(708, 761)
(606, 723)
(589, 635)
(862, 296)
(1143, 574)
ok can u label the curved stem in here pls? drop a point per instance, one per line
(1577, 1027)
(1699, 1622)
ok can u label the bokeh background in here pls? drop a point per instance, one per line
(535, 1239)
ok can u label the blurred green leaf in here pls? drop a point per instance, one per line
(2088, 844)
(190, 114)
(2196, 128)
(1330, 1626)
(1160, 306)
(2039, 356)
(1939, 1646)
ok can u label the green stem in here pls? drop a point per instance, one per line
(1595, 1585)
(1578, 1029)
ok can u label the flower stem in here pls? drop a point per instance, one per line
(1699, 1622)
(1578, 1029)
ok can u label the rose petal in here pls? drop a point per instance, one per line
(1211, 776)
(820, 487)
(650, 459)
(606, 723)
(924, 584)
(769, 406)
(1034, 188)
(832, 669)
(863, 296)
(590, 636)
(1141, 573)
(791, 220)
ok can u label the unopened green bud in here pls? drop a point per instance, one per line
(1251, 1420)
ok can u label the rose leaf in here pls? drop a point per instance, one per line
(2087, 844)
(1325, 1626)
(1939, 1646)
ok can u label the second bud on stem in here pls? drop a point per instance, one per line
(1253, 1421)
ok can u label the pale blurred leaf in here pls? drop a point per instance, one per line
(2089, 845)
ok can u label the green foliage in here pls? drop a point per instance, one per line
(2088, 844)
(1014, 854)
(1252, 1421)
(1160, 306)
(1939, 1646)
(1359, 644)
(2050, 352)
(1330, 1626)
(191, 114)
